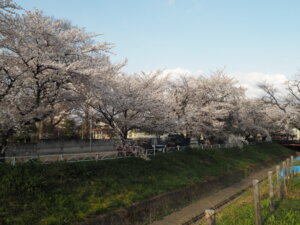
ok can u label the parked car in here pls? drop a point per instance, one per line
(174, 140)
(151, 143)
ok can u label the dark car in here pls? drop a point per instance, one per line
(174, 140)
(151, 143)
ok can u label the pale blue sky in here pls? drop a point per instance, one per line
(198, 35)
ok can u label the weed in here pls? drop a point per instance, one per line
(64, 193)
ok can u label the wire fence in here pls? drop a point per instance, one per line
(263, 197)
(124, 152)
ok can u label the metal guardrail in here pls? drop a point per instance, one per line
(95, 156)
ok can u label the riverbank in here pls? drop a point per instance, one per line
(242, 211)
(62, 193)
(192, 213)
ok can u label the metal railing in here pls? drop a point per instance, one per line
(103, 155)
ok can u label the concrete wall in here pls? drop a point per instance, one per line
(59, 147)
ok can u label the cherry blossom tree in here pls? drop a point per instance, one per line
(130, 101)
(179, 98)
(286, 101)
(7, 121)
(203, 105)
(251, 120)
(49, 67)
(217, 99)
(42, 62)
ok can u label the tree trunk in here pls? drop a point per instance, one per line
(124, 136)
(3, 147)
(247, 137)
(2, 153)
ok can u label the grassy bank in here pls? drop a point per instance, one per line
(241, 212)
(62, 193)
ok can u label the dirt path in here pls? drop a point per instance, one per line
(197, 208)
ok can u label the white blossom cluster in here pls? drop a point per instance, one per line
(49, 67)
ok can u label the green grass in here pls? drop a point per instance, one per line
(65, 193)
(241, 212)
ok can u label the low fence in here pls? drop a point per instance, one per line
(90, 156)
(278, 186)
(132, 151)
(56, 147)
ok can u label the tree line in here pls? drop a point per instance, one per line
(50, 68)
